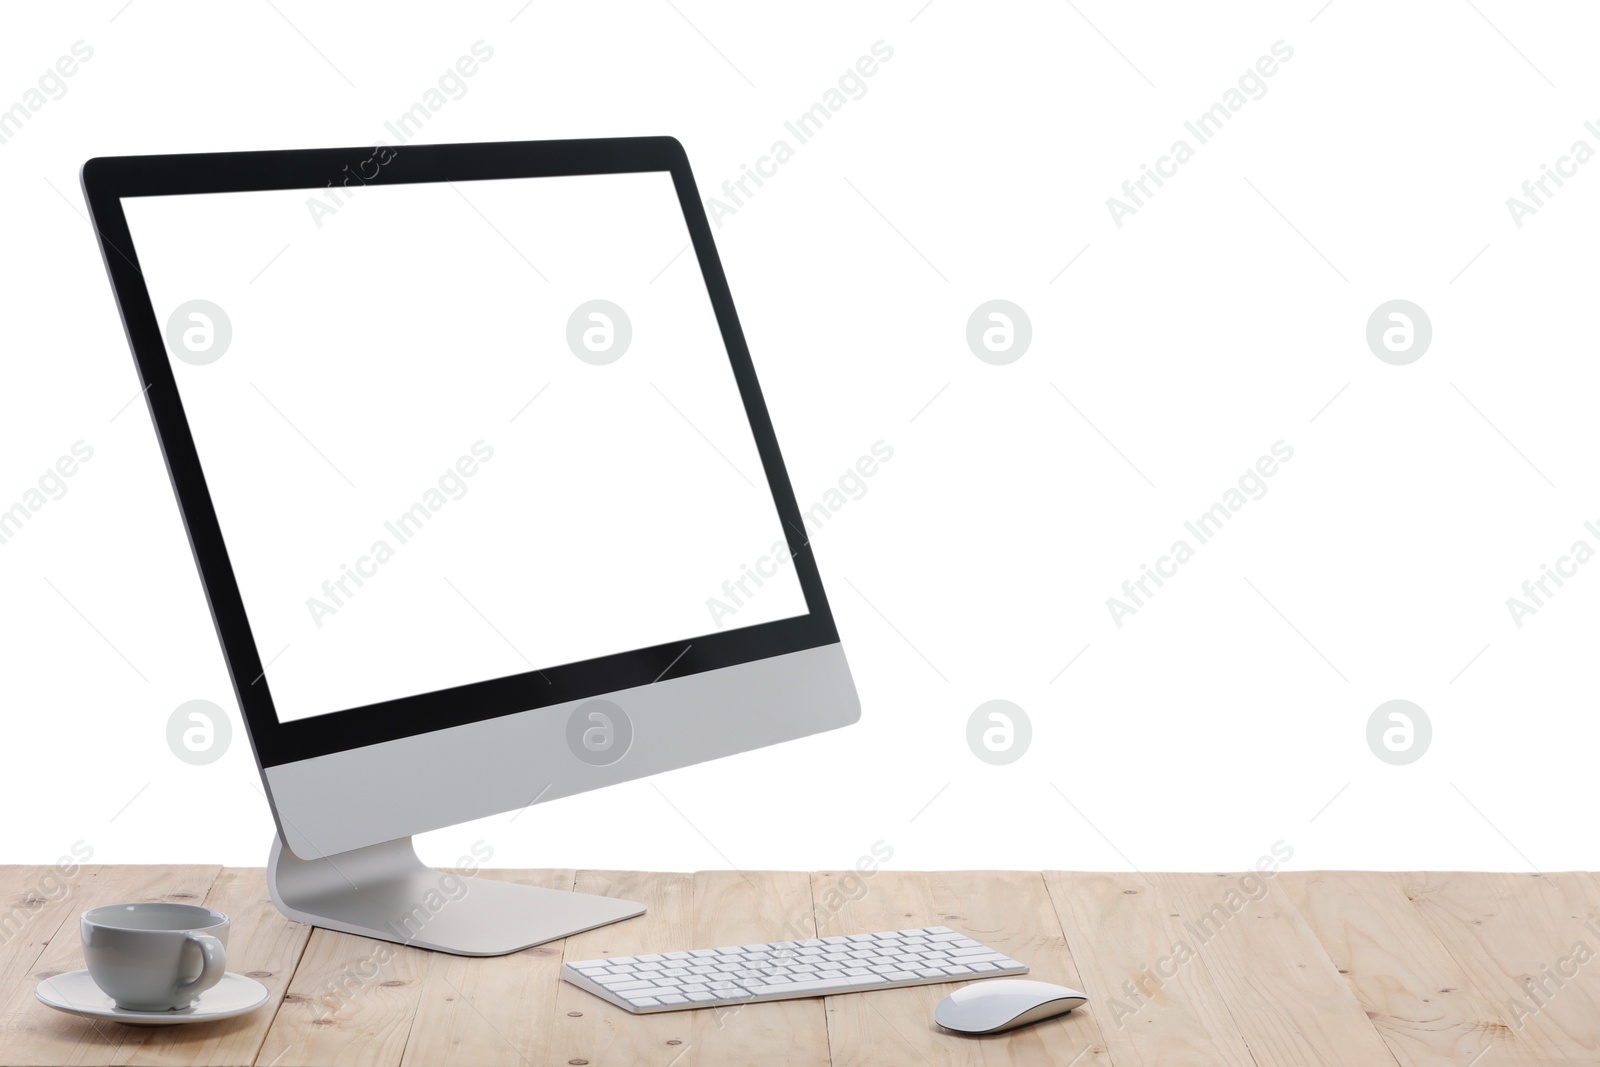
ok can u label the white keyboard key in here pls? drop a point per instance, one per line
(974, 950)
(824, 985)
(655, 991)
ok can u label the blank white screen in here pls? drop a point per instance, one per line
(408, 352)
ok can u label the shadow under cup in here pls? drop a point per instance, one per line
(154, 956)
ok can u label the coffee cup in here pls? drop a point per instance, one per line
(154, 956)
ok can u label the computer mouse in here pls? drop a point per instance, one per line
(1004, 1004)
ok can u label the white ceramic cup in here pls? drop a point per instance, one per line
(155, 956)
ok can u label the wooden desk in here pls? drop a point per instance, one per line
(1317, 969)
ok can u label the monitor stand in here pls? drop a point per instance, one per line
(385, 892)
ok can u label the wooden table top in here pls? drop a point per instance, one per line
(1207, 969)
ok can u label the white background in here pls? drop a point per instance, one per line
(1227, 314)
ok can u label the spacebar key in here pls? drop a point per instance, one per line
(818, 986)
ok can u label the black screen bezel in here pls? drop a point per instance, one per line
(107, 180)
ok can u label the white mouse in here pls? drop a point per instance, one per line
(1003, 1004)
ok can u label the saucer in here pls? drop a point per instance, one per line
(75, 993)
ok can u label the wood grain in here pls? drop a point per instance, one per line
(35, 903)
(478, 1012)
(590, 1029)
(1418, 996)
(1514, 935)
(1301, 970)
(1287, 999)
(351, 1000)
(1158, 1006)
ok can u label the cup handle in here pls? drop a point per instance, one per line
(213, 966)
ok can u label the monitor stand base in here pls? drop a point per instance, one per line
(385, 892)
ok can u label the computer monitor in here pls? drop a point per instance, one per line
(482, 491)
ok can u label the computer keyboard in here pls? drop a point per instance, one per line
(785, 970)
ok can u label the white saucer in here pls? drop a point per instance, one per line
(76, 994)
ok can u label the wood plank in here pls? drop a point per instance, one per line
(1286, 997)
(35, 902)
(586, 1028)
(709, 909)
(1008, 910)
(478, 1012)
(1511, 934)
(351, 1000)
(1419, 997)
(1156, 1002)
(37, 1035)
